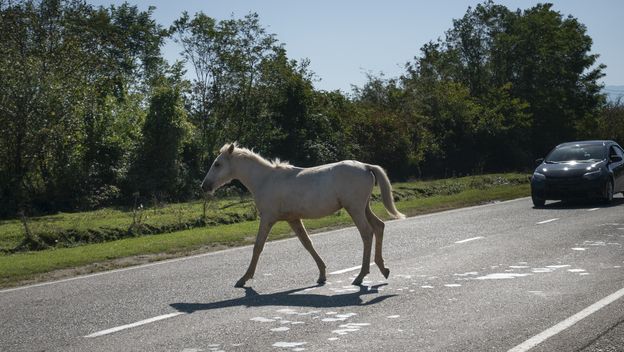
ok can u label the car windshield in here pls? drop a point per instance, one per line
(576, 153)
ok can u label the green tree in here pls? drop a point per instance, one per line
(71, 76)
(607, 124)
(531, 82)
(40, 124)
(158, 171)
(553, 70)
(227, 58)
(294, 125)
(384, 126)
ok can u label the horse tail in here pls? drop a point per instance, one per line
(386, 191)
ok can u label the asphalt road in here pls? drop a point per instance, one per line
(498, 277)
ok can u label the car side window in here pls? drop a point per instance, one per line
(619, 151)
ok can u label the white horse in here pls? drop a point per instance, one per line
(285, 192)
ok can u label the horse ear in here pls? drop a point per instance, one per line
(231, 148)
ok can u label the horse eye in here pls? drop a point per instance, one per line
(217, 165)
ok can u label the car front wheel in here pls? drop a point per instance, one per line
(608, 192)
(538, 202)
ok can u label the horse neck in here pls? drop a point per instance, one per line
(251, 173)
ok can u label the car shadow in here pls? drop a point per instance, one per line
(580, 204)
(289, 298)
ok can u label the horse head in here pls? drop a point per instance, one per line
(220, 171)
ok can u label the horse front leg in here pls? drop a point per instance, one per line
(302, 234)
(263, 233)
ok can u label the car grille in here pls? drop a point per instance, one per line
(569, 187)
(564, 181)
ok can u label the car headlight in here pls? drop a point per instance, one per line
(538, 176)
(592, 175)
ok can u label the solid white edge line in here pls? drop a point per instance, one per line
(469, 239)
(544, 335)
(167, 261)
(133, 325)
(547, 221)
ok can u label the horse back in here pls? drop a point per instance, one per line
(321, 190)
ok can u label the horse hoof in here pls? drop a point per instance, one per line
(357, 282)
(321, 280)
(240, 283)
(386, 273)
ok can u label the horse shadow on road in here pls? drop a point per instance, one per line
(290, 298)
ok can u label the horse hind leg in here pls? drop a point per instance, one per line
(302, 234)
(366, 232)
(378, 230)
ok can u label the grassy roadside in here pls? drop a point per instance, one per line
(414, 199)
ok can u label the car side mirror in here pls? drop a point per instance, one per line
(539, 161)
(615, 159)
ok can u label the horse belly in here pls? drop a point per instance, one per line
(309, 207)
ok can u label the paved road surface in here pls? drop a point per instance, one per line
(497, 277)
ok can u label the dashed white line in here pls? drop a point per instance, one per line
(133, 325)
(470, 239)
(593, 209)
(337, 272)
(554, 330)
(547, 221)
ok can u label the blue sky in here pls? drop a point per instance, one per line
(345, 39)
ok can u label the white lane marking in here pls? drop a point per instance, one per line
(289, 344)
(554, 330)
(133, 325)
(470, 239)
(547, 221)
(501, 276)
(593, 209)
(347, 270)
(219, 252)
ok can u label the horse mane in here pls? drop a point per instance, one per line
(250, 154)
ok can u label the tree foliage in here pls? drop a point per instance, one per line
(92, 115)
(158, 171)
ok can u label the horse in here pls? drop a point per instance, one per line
(283, 192)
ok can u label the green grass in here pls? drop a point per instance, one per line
(74, 229)
(413, 198)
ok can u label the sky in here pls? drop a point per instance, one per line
(347, 39)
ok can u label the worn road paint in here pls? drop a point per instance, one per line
(281, 328)
(501, 276)
(470, 273)
(262, 320)
(288, 344)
